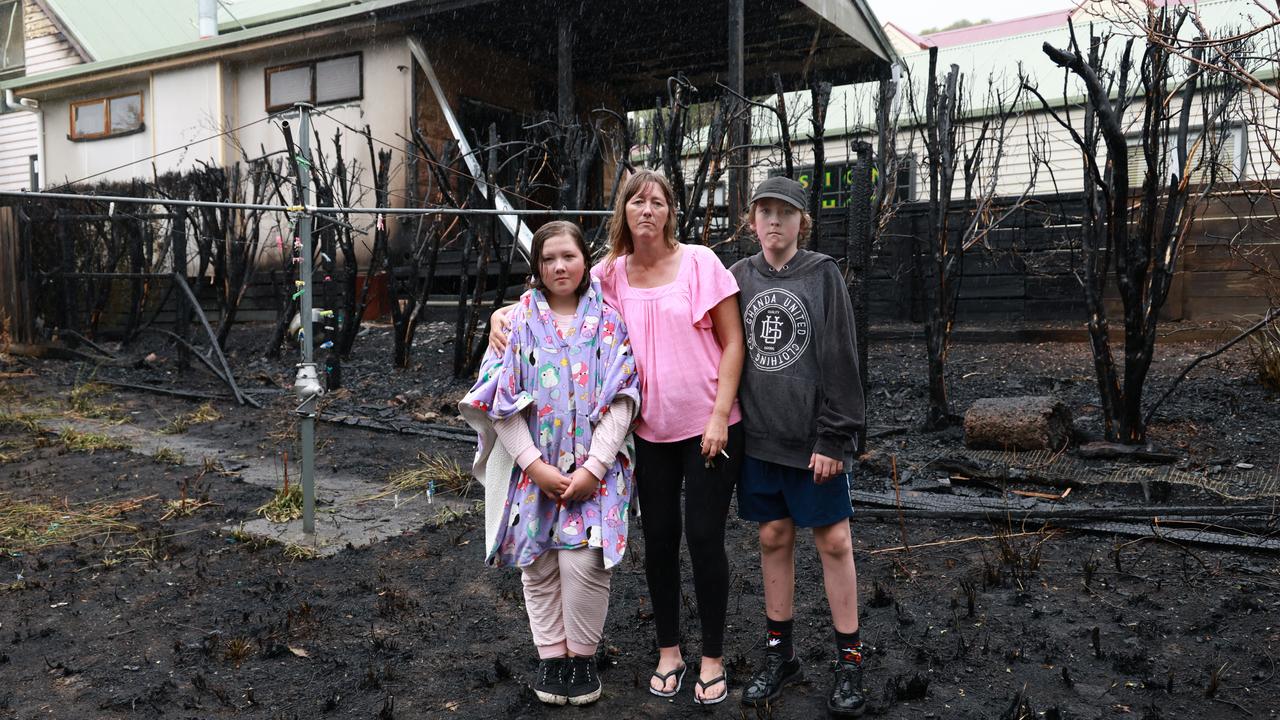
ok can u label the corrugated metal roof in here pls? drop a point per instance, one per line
(112, 29)
(997, 30)
(119, 28)
(334, 14)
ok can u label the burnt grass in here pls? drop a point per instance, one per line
(185, 618)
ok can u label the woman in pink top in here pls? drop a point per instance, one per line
(681, 309)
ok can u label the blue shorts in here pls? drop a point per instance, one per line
(769, 491)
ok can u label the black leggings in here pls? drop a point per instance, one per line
(661, 470)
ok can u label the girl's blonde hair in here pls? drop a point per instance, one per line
(620, 242)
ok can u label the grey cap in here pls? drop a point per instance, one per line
(781, 188)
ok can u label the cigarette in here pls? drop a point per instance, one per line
(725, 454)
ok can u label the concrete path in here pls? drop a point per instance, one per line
(347, 513)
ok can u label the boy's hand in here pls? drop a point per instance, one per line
(500, 331)
(550, 480)
(582, 485)
(824, 468)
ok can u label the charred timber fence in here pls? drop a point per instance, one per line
(1025, 269)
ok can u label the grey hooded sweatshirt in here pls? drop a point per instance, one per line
(801, 391)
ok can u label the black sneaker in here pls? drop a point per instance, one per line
(766, 684)
(550, 686)
(582, 681)
(847, 699)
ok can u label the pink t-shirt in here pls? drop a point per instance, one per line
(674, 342)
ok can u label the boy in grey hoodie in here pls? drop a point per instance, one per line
(802, 404)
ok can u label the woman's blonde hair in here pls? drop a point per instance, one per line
(620, 242)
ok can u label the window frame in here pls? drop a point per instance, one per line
(1237, 139)
(105, 100)
(269, 71)
(18, 13)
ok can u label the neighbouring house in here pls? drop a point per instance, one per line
(32, 41)
(1232, 258)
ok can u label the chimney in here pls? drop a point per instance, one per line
(207, 14)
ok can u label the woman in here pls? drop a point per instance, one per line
(681, 309)
(557, 507)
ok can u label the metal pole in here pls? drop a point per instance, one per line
(307, 384)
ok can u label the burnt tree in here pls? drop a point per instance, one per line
(1136, 238)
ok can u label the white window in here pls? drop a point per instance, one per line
(1220, 158)
(106, 117)
(319, 82)
(904, 179)
(12, 50)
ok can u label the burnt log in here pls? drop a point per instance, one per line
(1018, 423)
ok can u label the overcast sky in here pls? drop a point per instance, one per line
(916, 15)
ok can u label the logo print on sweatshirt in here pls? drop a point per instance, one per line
(777, 325)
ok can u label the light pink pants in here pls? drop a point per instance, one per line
(566, 593)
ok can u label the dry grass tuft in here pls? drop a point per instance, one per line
(300, 552)
(20, 421)
(168, 456)
(285, 506)
(203, 414)
(434, 473)
(28, 525)
(77, 441)
(82, 402)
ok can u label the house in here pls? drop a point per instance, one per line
(170, 85)
(169, 93)
(997, 53)
(32, 41)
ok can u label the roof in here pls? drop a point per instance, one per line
(119, 28)
(996, 30)
(838, 39)
(919, 42)
(114, 29)
(154, 50)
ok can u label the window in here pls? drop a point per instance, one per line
(904, 180)
(319, 82)
(12, 51)
(1221, 158)
(106, 117)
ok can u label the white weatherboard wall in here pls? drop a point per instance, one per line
(184, 112)
(46, 50)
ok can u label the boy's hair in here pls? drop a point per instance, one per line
(556, 228)
(620, 242)
(806, 224)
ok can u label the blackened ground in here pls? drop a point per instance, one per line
(181, 618)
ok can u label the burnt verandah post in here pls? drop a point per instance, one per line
(739, 174)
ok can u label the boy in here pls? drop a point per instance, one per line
(802, 404)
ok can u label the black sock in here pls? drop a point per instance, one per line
(849, 647)
(778, 637)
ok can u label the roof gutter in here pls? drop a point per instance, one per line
(15, 103)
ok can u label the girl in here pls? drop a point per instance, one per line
(553, 411)
(802, 405)
(681, 308)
